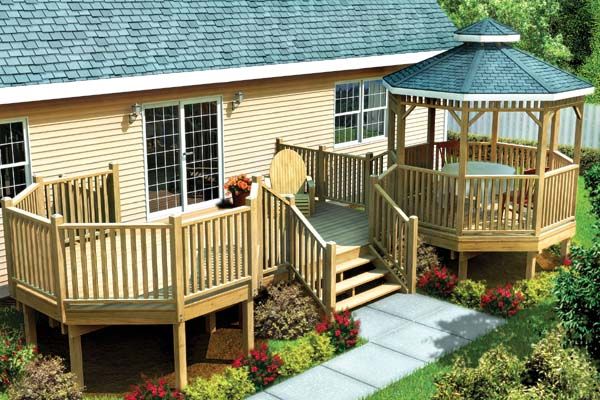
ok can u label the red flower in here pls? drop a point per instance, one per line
(567, 262)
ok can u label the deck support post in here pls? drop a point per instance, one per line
(211, 322)
(565, 248)
(531, 264)
(76, 354)
(463, 265)
(248, 324)
(30, 325)
(180, 358)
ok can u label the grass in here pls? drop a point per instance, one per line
(517, 335)
(584, 216)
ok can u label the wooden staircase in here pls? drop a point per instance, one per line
(360, 278)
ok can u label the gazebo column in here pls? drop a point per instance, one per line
(430, 136)
(579, 109)
(392, 115)
(462, 173)
(495, 127)
(554, 133)
(401, 133)
(540, 167)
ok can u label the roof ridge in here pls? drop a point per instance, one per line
(525, 69)
(472, 69)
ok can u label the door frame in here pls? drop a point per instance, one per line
(184, 208)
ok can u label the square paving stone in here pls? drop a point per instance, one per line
(374, 323)
(374, 365)
(320, 383)
(421, 342)
(262, 396)
(461, 321)
(409, 306)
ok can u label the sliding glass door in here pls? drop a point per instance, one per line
(183, 155)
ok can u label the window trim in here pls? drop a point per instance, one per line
(27, 162)
(360, 139)
(184, 208)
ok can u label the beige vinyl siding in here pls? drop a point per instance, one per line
(82, 135)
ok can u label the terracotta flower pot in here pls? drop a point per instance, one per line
(239, 199)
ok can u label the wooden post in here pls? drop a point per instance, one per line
(115, 191)
(531, 264)
(76, 354)
(7, 203)
(462, 167)
(579, 111)
(290, 229)
(29, 323)
(463, 265)
(371, 209)
(254, 236)
(391, 142)
(540, 170)
(367, 171)
(329, 278)
(565, 246)
(411, 261)
(430, 136)
(40, 203)
(554, 134)
(56, 249)
(177, 264)
(248, 324)
(278, 145)
(495, 128)
(321, 179)
(401, 134)
(180, 358)
(211, 322)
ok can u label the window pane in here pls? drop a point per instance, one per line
(12, 181)
(347, 97)
(346, 128)
(375, 94)
(373, 123)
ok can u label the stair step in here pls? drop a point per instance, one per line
(367, 296)
(353, 263)
(360, 279)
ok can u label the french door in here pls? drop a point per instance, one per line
(183, 146)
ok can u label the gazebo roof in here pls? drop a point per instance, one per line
(480, 70)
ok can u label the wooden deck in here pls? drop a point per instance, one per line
(347, 226)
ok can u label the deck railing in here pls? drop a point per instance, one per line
(339, 177)
(560, 194)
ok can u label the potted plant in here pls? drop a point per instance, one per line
(239, 187)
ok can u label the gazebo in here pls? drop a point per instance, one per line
(474, 197)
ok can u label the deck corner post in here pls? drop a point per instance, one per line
(531, 264)
(76, 354)
(321, 178)
(255, 234)
(56, 249)
(463, 266)
(329, 278)
(40, 204)
(177, 264)
(411, 259)
(115, 191)
(179, 355)
(248, 324)
(29, 322)
(367, 171)
(7, 202)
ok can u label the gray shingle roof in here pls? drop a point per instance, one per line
(48, 41)
(486, 27)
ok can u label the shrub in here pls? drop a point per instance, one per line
(468, 293)
(504, 301)
(309, 350)
(342, 331)
(427, 257)
(496, 374)
(577, 294)
(232, 384)
(283, 311)
(45, 379)
(263, 367)
(592, 183)
(14, 356)
(538, 289)
(322, 346)
(553, 369)
(438, 281)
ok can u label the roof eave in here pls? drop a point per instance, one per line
(64, 90)
(490, 97)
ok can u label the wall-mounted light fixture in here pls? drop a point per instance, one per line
(238, 97)
(136, 110)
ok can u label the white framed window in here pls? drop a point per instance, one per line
(360, 111)
(15, 167)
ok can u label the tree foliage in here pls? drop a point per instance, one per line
(532, 18)
(590, 70)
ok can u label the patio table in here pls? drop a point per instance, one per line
(482, 168)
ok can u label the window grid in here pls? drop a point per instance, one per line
(13, 158)
(364, 122)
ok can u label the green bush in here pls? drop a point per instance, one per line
(592, 183)
(284, 311)
(577, 293)
(554, 369)
(232, 384)
(497, 373)
(538, 289)
(14, 355)
(322, 346)
(45, 379)
(309, 350)
(468, 293)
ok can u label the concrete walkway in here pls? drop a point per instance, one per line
(405, 332)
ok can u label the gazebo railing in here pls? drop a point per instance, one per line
(560, 194)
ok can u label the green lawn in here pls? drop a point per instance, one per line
(518, 334)
(584, 216)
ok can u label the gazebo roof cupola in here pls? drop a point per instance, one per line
(487, 31)
(485, 67)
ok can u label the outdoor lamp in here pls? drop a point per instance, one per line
(136, 110)
(238, 97)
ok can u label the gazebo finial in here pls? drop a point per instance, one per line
(487, 31)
